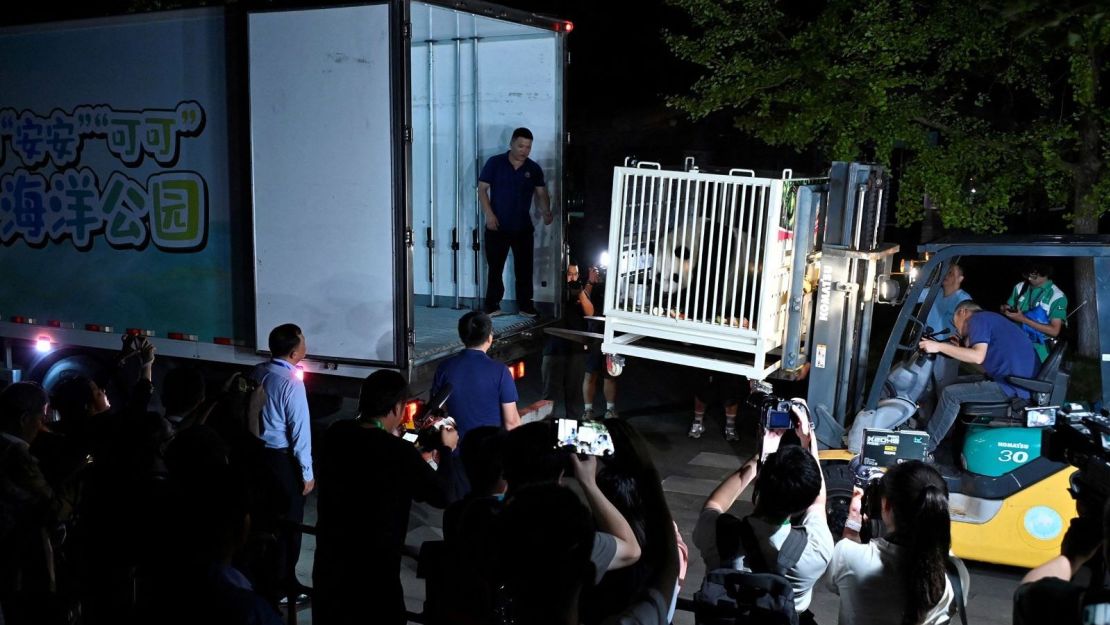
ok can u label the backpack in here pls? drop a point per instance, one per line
(759, 596)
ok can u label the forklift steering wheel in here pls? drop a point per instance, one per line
(915, 335)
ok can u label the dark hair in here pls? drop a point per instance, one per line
(787, 484)
(72, 398)
(284, 339)
(474, 328)
(1040, 268)
(19, 400)
(182, 390)
(482, 451)
(531, 457)
(380, 392)
(521, 133)
(918, 500)
(545, 555)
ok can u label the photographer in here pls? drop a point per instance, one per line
(369, 477)
(788, 484)
(564, 360)
(1049, 589)
(914, 508)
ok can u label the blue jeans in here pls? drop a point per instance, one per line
(948, 408)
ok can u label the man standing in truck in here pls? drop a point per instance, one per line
(285, 431)
(506, 186)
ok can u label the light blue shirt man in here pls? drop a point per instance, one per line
(285, 420)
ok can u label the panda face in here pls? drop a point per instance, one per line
(676, 268)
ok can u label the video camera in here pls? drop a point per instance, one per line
(1082, 439)
(429, 420)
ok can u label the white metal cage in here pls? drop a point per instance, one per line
(701, 271)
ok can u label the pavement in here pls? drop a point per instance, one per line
(654, 399)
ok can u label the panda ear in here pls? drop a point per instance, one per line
(682, 252)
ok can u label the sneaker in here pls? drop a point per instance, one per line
(588, 414)
(529, 312)
(494, 312)
(301, 601)
(611, 414)
(696, 429)
(730, 433)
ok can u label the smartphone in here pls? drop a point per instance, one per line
(586, 437)
(1040, 417)
(410, 437)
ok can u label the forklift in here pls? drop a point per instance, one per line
(796, 301)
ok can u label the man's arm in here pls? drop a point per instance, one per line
(300, 433)
(487, 207)
(975, 354)
(1052, 328)
(728, 491)
(807, 439)
(543, 201)
(584, 300)
(510, 416)
(608, 518)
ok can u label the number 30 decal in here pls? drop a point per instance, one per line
(1020, 457)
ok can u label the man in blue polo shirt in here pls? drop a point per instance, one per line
(506, 186)
(482, 390)
(992, 341)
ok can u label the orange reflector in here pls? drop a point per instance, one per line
(140, 332)
(181, 336)
(96, 327)
(21, 319)
(220, 340)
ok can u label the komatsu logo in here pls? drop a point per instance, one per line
(824, 298)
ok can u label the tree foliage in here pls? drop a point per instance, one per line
(996, 107)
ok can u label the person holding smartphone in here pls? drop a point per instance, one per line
(789, 499)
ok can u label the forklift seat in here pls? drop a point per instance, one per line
(1049, 388)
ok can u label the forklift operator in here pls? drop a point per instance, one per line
(992, 341)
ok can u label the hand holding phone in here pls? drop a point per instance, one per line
(586, 437)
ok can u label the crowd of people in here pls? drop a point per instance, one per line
(112, 512)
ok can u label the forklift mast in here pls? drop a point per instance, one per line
(851, 261)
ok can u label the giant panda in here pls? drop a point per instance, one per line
(687, 264)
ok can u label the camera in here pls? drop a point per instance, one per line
(774, 411)
(1082, 439)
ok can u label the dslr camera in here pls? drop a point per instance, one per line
(1082, 439)
(774, 411)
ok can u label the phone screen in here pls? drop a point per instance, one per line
(410, 437)
(586, 437)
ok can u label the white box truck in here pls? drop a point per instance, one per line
(201, 176)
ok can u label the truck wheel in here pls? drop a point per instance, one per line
(614, 364)
(838, 495)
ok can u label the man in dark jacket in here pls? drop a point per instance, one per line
(369, 477)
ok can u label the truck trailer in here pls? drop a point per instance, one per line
(201, 176)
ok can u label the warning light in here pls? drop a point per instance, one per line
(43, 345)
(568, 26)
(299, 373)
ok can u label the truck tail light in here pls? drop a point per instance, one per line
(44, 345)
(517, 369)
(412, 407)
